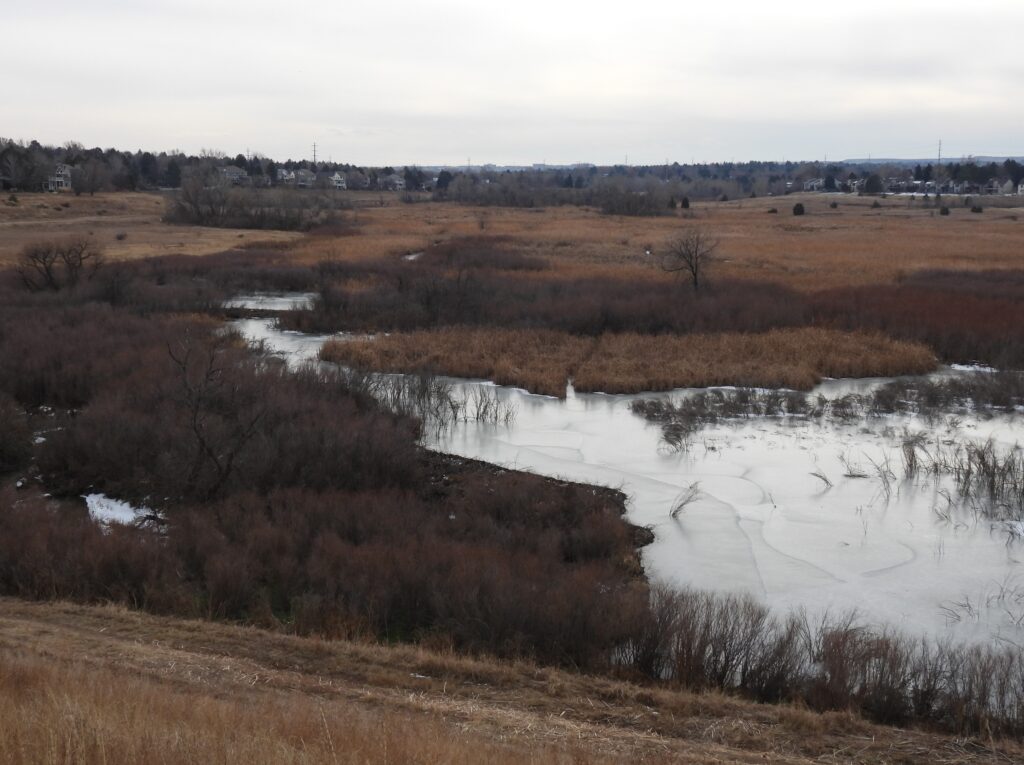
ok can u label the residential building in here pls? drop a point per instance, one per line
(236, 176)
(60, 180)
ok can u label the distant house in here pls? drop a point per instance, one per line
(286, 177)
(1020, 188)
(814, 184)
(328, 179)
(897, 185)
(997, 186)
(393, 182)
(60, 180)
(304, 179)
(236, 176)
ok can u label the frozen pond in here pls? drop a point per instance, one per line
(760, 521)
(269, 301)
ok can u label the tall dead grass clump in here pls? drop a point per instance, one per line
(543, 360)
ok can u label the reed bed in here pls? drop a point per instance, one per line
(539, 360)
(542, 361)
(789, 358)
(987, 478)
(982, 393)
(432, 400)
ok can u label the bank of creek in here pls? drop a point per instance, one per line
(801, 512)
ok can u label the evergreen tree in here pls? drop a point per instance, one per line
(172, 175)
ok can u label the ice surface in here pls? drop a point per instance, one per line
(270, 301)
(762, 523)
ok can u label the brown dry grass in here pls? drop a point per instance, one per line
(101, 684)
(538, 360)
(82, 714)
(542, 360)
(103, 217)
(851, 245)
(792, 358)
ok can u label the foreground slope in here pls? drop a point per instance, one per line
(104, 684)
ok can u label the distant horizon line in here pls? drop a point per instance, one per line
(469, 164)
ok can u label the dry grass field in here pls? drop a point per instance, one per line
(105, 217)
(106, 685)
(853, 244)
(542, 360)
(850, 245)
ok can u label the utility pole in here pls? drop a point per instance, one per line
(314, 152)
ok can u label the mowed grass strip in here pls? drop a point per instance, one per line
(543, 360)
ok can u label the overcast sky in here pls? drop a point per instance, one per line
(443, 81)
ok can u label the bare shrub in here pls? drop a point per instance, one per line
(690, 254)
(57, 265)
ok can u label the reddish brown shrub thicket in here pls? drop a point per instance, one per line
(960, 325)
(287, 498)
(15, 436)
(962, 316)
(416, 298)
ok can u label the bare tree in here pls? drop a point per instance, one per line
(690, 254)
(223, 415)
(91, 177)
(59, 264)
(204, 198)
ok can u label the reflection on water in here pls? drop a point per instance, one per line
(759, 520)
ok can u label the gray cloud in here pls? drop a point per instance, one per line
(440, 81)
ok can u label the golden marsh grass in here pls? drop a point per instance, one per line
(542, 360)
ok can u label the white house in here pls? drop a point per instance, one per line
(285, 176)
(304, 179)
(60, 180)
(338, 180)
(1020, 189)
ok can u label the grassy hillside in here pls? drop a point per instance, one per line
(104, 684)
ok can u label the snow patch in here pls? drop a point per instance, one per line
(106, 510)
